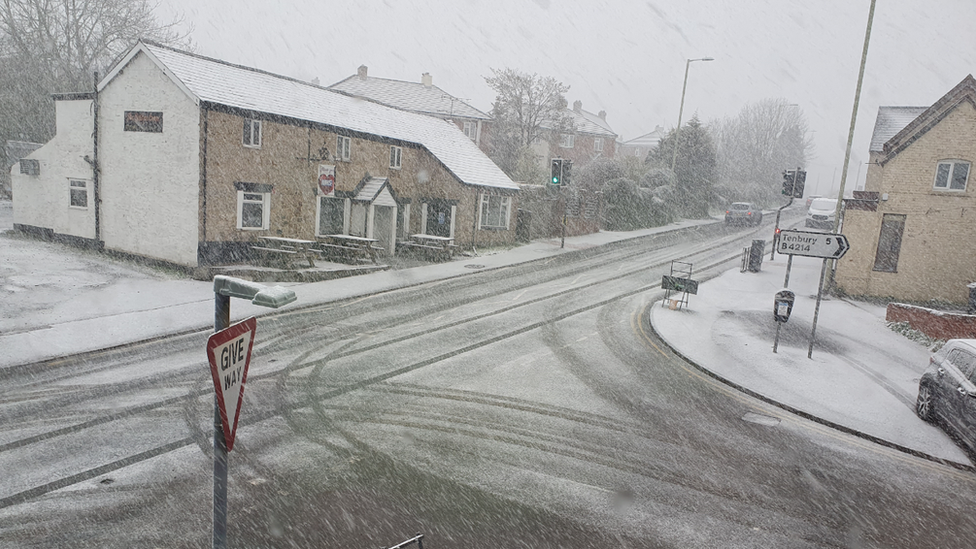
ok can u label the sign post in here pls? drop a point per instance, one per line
(812, 244)
(228, 366)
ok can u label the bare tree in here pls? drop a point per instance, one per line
(528, 108)
(755, 147)
(50, 46)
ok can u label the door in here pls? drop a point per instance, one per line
(384, 228)
(957, 387)
(439, 218)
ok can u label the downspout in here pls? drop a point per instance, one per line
(474, 226)
(203, 177)
(96, 190)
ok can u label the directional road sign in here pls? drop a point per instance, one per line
(811, 244)
(229, 352)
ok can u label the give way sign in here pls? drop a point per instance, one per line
(229, 352)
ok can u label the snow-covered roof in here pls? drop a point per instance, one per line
(410, 96)
(587, 122)
(891, 120)
(370, 188)
(213, 81)
(648, 139)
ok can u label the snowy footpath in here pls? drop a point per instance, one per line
(862, 376)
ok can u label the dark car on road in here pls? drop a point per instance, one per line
(947, 391)
(743, 212)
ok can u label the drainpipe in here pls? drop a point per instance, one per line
(96, 191)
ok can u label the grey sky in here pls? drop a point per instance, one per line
(625, 57)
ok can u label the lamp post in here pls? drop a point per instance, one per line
(677, 130)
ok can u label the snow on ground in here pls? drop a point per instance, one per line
(861, 375)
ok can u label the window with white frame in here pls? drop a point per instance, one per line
(951, 175)
(253, 206)
(252, 133)
(495, 211)
(598, 144)
(78, 191)
(567, 140)
(396, 157)
(343, 148)
(471, 130)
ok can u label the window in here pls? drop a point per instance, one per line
(252, 133)
(331, 212)
(396, 156)
(964, 361)
(567, 140)
(343, 148)
(78, 189)
(30, 167)
(889, 243)
(951, 175)
(495, 211)
(471, 130)
(598, 144)
(140, 121)
(253, 205)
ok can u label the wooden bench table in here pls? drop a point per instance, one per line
(287, 249)
(349, 247)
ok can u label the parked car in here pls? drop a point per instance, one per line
(822, 213)
(947, 391)
(743, 212)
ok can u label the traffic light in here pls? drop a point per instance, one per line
(788, 182)
(801, 178)
(557, 172)
(567, 172)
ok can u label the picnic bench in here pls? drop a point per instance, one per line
(348, 248)
(440, 247)
(280, 251)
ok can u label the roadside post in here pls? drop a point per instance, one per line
(782, 307)
(793, 183)
(811, 244)
(228, 365)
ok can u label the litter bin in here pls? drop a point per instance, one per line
(756, 255)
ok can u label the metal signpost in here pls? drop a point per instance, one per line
(811, 244)
(228, 365)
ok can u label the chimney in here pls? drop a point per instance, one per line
(362, 72)
(603, 115)
(577, 106)
(427, 80)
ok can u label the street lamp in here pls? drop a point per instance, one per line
(677, 131)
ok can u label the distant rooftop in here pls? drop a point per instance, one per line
(420, 97)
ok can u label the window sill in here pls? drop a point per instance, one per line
(82, 208)
(246, 146)
(486, 228)
(252, 228)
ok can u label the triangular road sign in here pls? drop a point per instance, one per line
(229, 352)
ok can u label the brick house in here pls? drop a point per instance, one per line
(419, 97)
(913, 230)
(592, 138)
(198, 158)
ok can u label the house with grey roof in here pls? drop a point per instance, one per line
(639, 147)
(590, 138)
(418, 97)
(190, 160)
(913, 228)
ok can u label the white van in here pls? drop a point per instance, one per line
(822, 213)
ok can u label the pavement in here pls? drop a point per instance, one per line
(59, 301)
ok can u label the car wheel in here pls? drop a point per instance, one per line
(924, 403)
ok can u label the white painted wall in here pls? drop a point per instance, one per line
(150, 181)
(44, 200)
